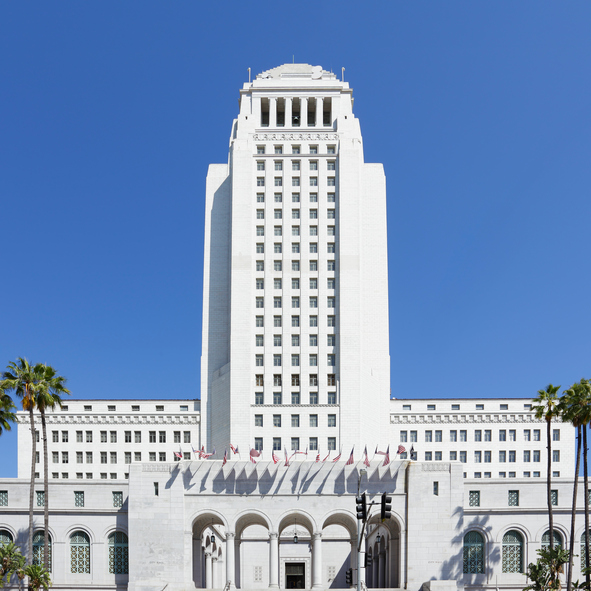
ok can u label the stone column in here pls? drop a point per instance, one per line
(319, 107)
(272, 111)
(374, 570)
(304, 112)
(208, 569)
(288, 111)
(353, 559)
(382, 569)
(273, 560)
(230, 559)
(214, 571)
(317, 560)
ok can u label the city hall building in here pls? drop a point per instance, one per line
(254, 486)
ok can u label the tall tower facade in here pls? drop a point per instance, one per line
(295, 305)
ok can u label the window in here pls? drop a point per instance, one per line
(502, 456)
(313, 397)
(331, 397)
(78, 436)
(295, 360)
(413, 436)
(332, 443)
(463, 457)
(277, 340)
(526, 456)
(330, 150)
(313, 321)
(331, 320)
(258, 443)
(3, 503)
(330, 214)
(162, 436)
(428, 456)
(556, 455)
(278, 149)
(313, 340)
(277, 302)
(278, 198)
(453, 456)
(313, 149)
(331, 165)
(276, 397)
(64, 437)
(260, 181)
(277, 321)
(295, 321)
(79, 499)
(295, 149)
(295, 265)
(332, 420)
(79, 457)
(313, 360)
(487, 457)
(477, 457)
(260, 197)
(137, 456)
(474, 550)
(277, 360)
(313, 265)
(331, 231)
(113, 457)
(313, 302)
(313, 379)
(403, 436)
(295, 420)
(64, 457)
(504, 407)
(38, 548)
(260, 214)
(478, 435)
(260, 149)
(330, 302)
(536, 455)
(313, 181)
(277, 379)
(295, 214)
(474, 498)
(295, 443)
(40, 498)
(536, 435)
(512, 552)
(295, 302)
(277, 231)
(277, 248)
(295, 248)
(162, 456)
(118, 552)
(428, 436)
(313, 443)
(258, 360)
(463, 435)
(260, 230)
(512, 455)
(313, 214)
(331, 265)
(453, 435)
(313, 420)
(55, 436)
(330, 181)
(502, 435)
(487, 435)
(259, 322)
(260, 248)
(260, 284)
(79, 553)
(513, 498)
(259, 398)
(278, 181)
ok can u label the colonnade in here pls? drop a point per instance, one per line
(288, 111)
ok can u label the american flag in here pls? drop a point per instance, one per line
(366, 460)
(387, 458)
(234, 449)
(326, 458)
(380, 453)
(225, 457)
(195, 451)
(286, 460)
(254, 454)
(401, 449)
(178, 454)
(202, 452)
(206, 455)
(275, 458)
(339, 456)
(350, 460)
(302, 452)
(318, 456)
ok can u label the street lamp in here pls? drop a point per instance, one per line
(295, 531)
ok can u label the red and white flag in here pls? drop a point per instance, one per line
(202, 452)
(195, 451)
(208, 455)
(225, 457)
(387, 458)
(366, 459)
(401, 449)
(254, 454)
(350, 460)
(275, 458)
(339, 456)
(286, 459)
(318, 456)
(380, 453)
(178, 454)
(326, 458)
(234, 449)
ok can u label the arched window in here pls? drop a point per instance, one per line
(557, 540)
(5, 536)
(473, 553)
(118, 554)
(582, 553)
(38, 543)
(512, 552)
(79, 553)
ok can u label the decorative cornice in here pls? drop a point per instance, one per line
(117, 419)
(295, 137)
(463, 419)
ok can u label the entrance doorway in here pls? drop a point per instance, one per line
(295, 575)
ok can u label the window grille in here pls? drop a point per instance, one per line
(557, 539)
(473, 552)
(512, 552)
(3, 498)
(38, 543)
(514, 499)
(79, 499)
(5, 537)
(117, 499)
(474, 498)
(582, 553)
(79, 553)
(118, 554)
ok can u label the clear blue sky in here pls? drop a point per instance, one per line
(479, 111)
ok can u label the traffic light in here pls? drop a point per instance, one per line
(368, 559)
(349, 577)
(386, 511)
(362, 507)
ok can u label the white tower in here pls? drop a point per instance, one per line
(295, 303)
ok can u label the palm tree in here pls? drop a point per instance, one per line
(22, 377)
(546, 407)
(6, 414)
(51, 387)
(573, 408)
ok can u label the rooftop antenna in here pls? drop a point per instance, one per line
(249, 75)
(342, 74)
(293, 58)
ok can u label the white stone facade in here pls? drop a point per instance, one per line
(295, 356)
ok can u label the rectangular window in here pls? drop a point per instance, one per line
(277, 302)
(527, 456)
(64, 437)
(276, 397)
(259, 322)
(463, 457)
(260, 248)
(502, 456)
(313, 321)
(258, 360)
(260, 181)
(117, 499)
(477, 457)
(513, 498)
(512, 455)
(453, 435)
(295, 397)
(332, 420)
(453, 456)
(478, 435)
(79, 498)
(295, 420)
(428, 456)
(278, 164)
(555, 434)
(313, 420)
(487, 435)
(331, 265)
(330, 302)
(277, 360)
(536, 435)
(331, 231)
(330, 283)
(162, 436)
(277, 443)
(278, 181)
(428, 436)
(89, 457)
(502, 435)
(113, 457)
(78, 436)
(295, 302)
(331, 397)
(64, 457)
(259, 398)
(463, 435)
(55, 457)
(313, 443)
(556, 455)
(313, 214)
(487, 457)
(295, 360)
(313, 181)
(313, 360)
(313, 302)
(260, 197)
(277, 321)
(162, 456)
(403, 436)
(331, 320)
(512, 435)
(295, 321)
(79, 457)
(295, 165)
(103, 457)
(295, 443)
(295, 214)
(330, 214)
(474, 498)
(313, 397)
(330, 181)
(278, 198)
(295, 248)
(177, 437)
(258, 443)
(332, 443)
(554, 497)
(40, 498)
(413, 436)
(137, 456)
(55, 436)
(536, 455)
(261, 165)
(313, 379)
(128, 457)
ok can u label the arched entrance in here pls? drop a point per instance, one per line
(209, 539)
(383, 544)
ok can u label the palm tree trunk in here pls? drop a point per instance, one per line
(549, 484)
(586, 480)
(571, 548)
(32, 487)
(45, 494)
